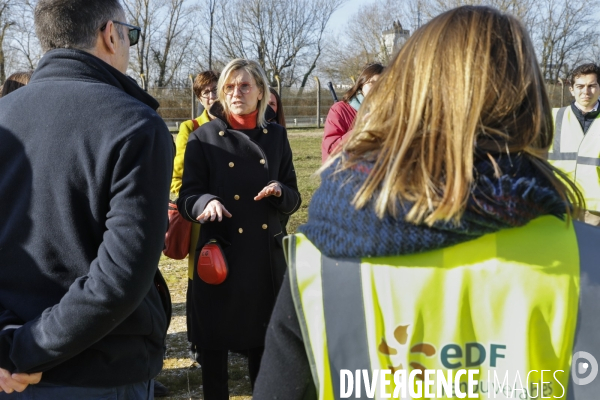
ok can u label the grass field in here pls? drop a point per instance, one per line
(180, 374)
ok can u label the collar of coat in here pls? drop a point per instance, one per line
(217, 110)
(587, 115)
(72, 64)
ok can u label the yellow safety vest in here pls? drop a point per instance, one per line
(578, 155)
(505, 304)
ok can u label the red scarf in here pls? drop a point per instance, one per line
(247, 121)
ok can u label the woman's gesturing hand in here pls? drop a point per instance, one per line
(272, 189)
(214, 209)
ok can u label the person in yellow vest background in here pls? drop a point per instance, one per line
(440, 258)
(205, 89)
(576, 146)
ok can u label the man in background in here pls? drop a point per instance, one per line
(85, 167)
(576, 148)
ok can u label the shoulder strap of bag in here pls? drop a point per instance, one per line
(196, 124)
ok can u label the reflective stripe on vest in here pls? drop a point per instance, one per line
(577, 155)
(507, 302)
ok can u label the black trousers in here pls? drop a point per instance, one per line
(214, 371)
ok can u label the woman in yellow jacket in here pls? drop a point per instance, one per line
(205, 89)
(439, 243)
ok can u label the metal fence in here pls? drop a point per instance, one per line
(302, 109)
(559, 94)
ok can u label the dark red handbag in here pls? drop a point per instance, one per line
(177, 238)
(212, 265)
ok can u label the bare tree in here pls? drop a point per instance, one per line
(322, 19)
(24, 43)
(230, 35)
(6, 21)
(176, 35)
(211, 16)
(145, 14)
(561, 30)
(365, 40)
(278, 33)
(564, 36)
(528, 11)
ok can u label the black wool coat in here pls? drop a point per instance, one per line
(84, 193)
(233, 166)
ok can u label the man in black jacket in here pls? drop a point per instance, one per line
(85, 167)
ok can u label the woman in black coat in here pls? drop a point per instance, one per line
(239, 182)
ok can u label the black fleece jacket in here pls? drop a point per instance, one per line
(85, 167)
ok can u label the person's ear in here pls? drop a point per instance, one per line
(260, 95)
(572, 91)
(109, 37)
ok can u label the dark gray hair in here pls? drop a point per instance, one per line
(74, 23)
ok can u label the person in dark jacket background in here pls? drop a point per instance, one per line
(15, 81)
(277, 106)
(84, 189)
(340, 118)
(238, 180)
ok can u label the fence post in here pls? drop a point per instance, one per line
(562, 91)
(193, 97)
(318, 103)
(144, 86)
(278, 85)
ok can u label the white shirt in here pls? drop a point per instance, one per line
(593, 109)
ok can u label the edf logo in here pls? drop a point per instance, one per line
(584, 368)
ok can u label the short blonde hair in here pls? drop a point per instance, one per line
(254, 69)
(466, 81)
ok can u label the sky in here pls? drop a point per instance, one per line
(343, 14)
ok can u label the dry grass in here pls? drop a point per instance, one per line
(180, 374)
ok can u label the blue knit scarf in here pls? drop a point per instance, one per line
(339, 230)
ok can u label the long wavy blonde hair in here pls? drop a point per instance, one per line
(467, 80)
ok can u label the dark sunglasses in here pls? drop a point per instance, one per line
(133, 34)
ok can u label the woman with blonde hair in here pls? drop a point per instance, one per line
(440, 237)
(239, 182)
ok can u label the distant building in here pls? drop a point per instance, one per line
(394, 39)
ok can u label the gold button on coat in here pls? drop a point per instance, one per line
(240, 230)
(262, 161)
(221, 133)
(265, 130)
(264, 226)
(231, 165)
(236, 197)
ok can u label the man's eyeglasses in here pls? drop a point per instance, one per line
(205, 94)
(133, 34)
(245, 88)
